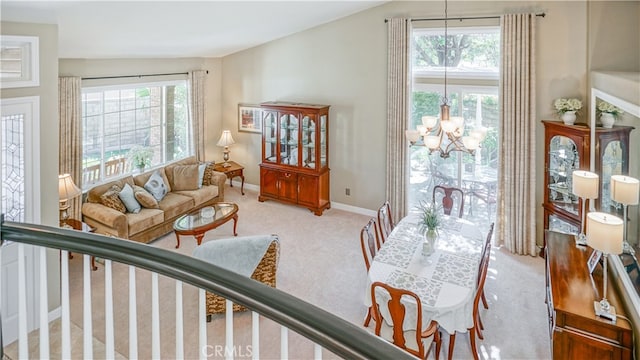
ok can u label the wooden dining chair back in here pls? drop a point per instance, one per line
(450, 195)
(413, 340)
(385, 221)
(475, 330)
(369, 242)
(486, 248)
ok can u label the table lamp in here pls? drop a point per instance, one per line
(67, 190)
(604, 233)
(226, 140)
(585, 186)
(625, 190)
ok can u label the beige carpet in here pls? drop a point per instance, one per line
(321, 262)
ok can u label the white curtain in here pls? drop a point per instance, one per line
(517, 186)
(398, 101)
(70, 114)
(198, 111)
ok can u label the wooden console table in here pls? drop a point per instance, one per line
(576, 332)
(234, 170)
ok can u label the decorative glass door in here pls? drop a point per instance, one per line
(563, 160)
(270, 134)
(288, 139)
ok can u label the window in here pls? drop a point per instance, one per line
(19, 61)
(116, 119)
(472, 92)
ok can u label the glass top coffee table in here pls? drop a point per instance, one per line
(194, 223)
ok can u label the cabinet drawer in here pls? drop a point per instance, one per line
(234, 173)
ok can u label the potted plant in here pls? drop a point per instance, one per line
(428, 224)
(567, 109)
(608, 114)
(140, 157)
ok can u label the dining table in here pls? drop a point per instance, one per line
(445, 281)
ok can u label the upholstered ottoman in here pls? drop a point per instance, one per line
(251, 256)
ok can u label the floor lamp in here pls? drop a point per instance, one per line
(624, 190)
(585, 186)
(604, 233)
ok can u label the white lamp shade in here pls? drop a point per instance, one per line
(605, 232)
(448, 126)
(412, 135)
(585, 184)
(67, 189)
(226, 139)
(625, 189)
(421, 129)
(429, 121)
(470, 142)
(432, 141)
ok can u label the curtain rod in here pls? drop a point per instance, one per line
(133, 76)
(465, 18)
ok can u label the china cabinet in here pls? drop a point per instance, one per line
(567, 148)
(295, 154)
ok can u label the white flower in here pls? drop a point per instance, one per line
(605, 107)
(563, 105)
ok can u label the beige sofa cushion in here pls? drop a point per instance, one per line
(145, 219)
(202, 195)
(185, 177)
(169, 168)
(144, 198)
(174, 204)
(93, 196)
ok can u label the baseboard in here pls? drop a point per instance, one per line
(55, 313)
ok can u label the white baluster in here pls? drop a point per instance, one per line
(64, 304)
(228, 340)
(23, 345)
(108, 309)
(202, 318)
(87, 323)
(179, 322)
(133, 315)
(44, 305)
(284, 343)
(155, 318)
(255, 335)
(317, 352)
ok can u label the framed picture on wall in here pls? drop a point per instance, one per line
(249, 118)
(593, 260)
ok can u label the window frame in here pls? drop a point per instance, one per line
(30, 61)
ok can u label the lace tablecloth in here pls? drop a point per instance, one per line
(445, 281)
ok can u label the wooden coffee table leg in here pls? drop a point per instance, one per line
(235, 224)
(199, 238)
(178, 240)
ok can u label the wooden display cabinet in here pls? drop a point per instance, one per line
(295, 155)
(567, 148)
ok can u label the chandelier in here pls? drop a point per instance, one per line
(447, 136)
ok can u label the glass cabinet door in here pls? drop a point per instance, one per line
(563, 159)
(288, 139)
(559, 225)
(611, 165)
(323, 140)
(270, 133)
(309, 142)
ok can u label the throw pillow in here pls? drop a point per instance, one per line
(144, 198)
(156, 186)
(185, 177)
(208, 172)
(201, 169)
(129, 199)
(111, 199)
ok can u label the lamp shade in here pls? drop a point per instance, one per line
(67, 189)
(625, 189)
(412, 135)
(226, 139)
(429, 121)
(605, 232)
(585, 184)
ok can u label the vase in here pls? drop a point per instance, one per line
(429, 244)
(607, 120)
(569, 117)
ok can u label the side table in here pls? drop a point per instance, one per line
(79, 226)
(233, 170)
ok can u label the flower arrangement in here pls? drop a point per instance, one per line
(429, 216)
(563, 105)
(140, 156)
(605, 107)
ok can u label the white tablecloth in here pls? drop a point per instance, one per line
(445, 281)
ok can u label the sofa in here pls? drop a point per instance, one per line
(161, 196)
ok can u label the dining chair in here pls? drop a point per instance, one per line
(370, 245)
(489, 236)
(385, 221)
(475, 329)
(450, 194)
(393, 329)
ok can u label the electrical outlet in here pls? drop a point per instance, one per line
(347, 191)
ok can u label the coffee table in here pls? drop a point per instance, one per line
(195, 224)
